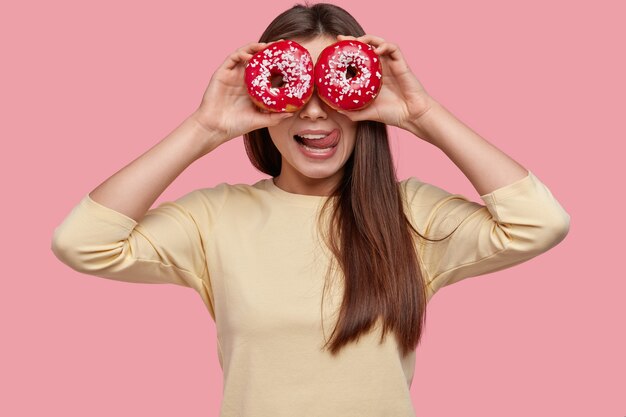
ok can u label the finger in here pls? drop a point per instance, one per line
(236, 58)
(270, 119)
(277, 117)
(371, 39)
(359, 115)
(390, 49)
(252, 47)
(243, 54)
(278, 40)
(381, 47)
(379, 44)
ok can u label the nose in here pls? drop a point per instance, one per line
(313, 109)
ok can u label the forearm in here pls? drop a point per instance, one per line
(133, 189)
(486, 167)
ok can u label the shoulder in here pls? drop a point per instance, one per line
(222, 190)
(428, 204)
(214, 198)
(417, 192)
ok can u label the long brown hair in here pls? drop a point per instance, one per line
(368, 233)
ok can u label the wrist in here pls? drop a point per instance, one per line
(208, 136)
(419, 124)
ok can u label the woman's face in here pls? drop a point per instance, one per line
(306, 171)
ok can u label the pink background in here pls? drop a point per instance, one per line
(88, 86)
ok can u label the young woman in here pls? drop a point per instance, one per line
(317, 277)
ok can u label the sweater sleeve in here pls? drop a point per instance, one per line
(518, 222)
(165, 247)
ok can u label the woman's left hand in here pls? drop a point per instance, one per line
(402, 99)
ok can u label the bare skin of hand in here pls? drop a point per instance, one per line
(226, 106)
(402, 99)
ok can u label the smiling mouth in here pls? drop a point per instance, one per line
(318, 141)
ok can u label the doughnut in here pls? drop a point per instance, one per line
(279, 78)
(348, 75)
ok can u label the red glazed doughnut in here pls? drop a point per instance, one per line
(280, 77)
(348, 75)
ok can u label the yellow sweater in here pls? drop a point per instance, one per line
(253, 254)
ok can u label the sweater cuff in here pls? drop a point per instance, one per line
(108, 214)
(520, 186)
(526, 200)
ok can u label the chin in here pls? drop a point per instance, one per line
(320, 173)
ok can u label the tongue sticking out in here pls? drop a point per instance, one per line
(331, 140)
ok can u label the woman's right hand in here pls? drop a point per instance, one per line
(226, 107)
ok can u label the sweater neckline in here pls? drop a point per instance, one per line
(299, 199)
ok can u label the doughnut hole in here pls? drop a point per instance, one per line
(351, 72)
(276, 80)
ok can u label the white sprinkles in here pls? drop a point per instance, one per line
(294, 67)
